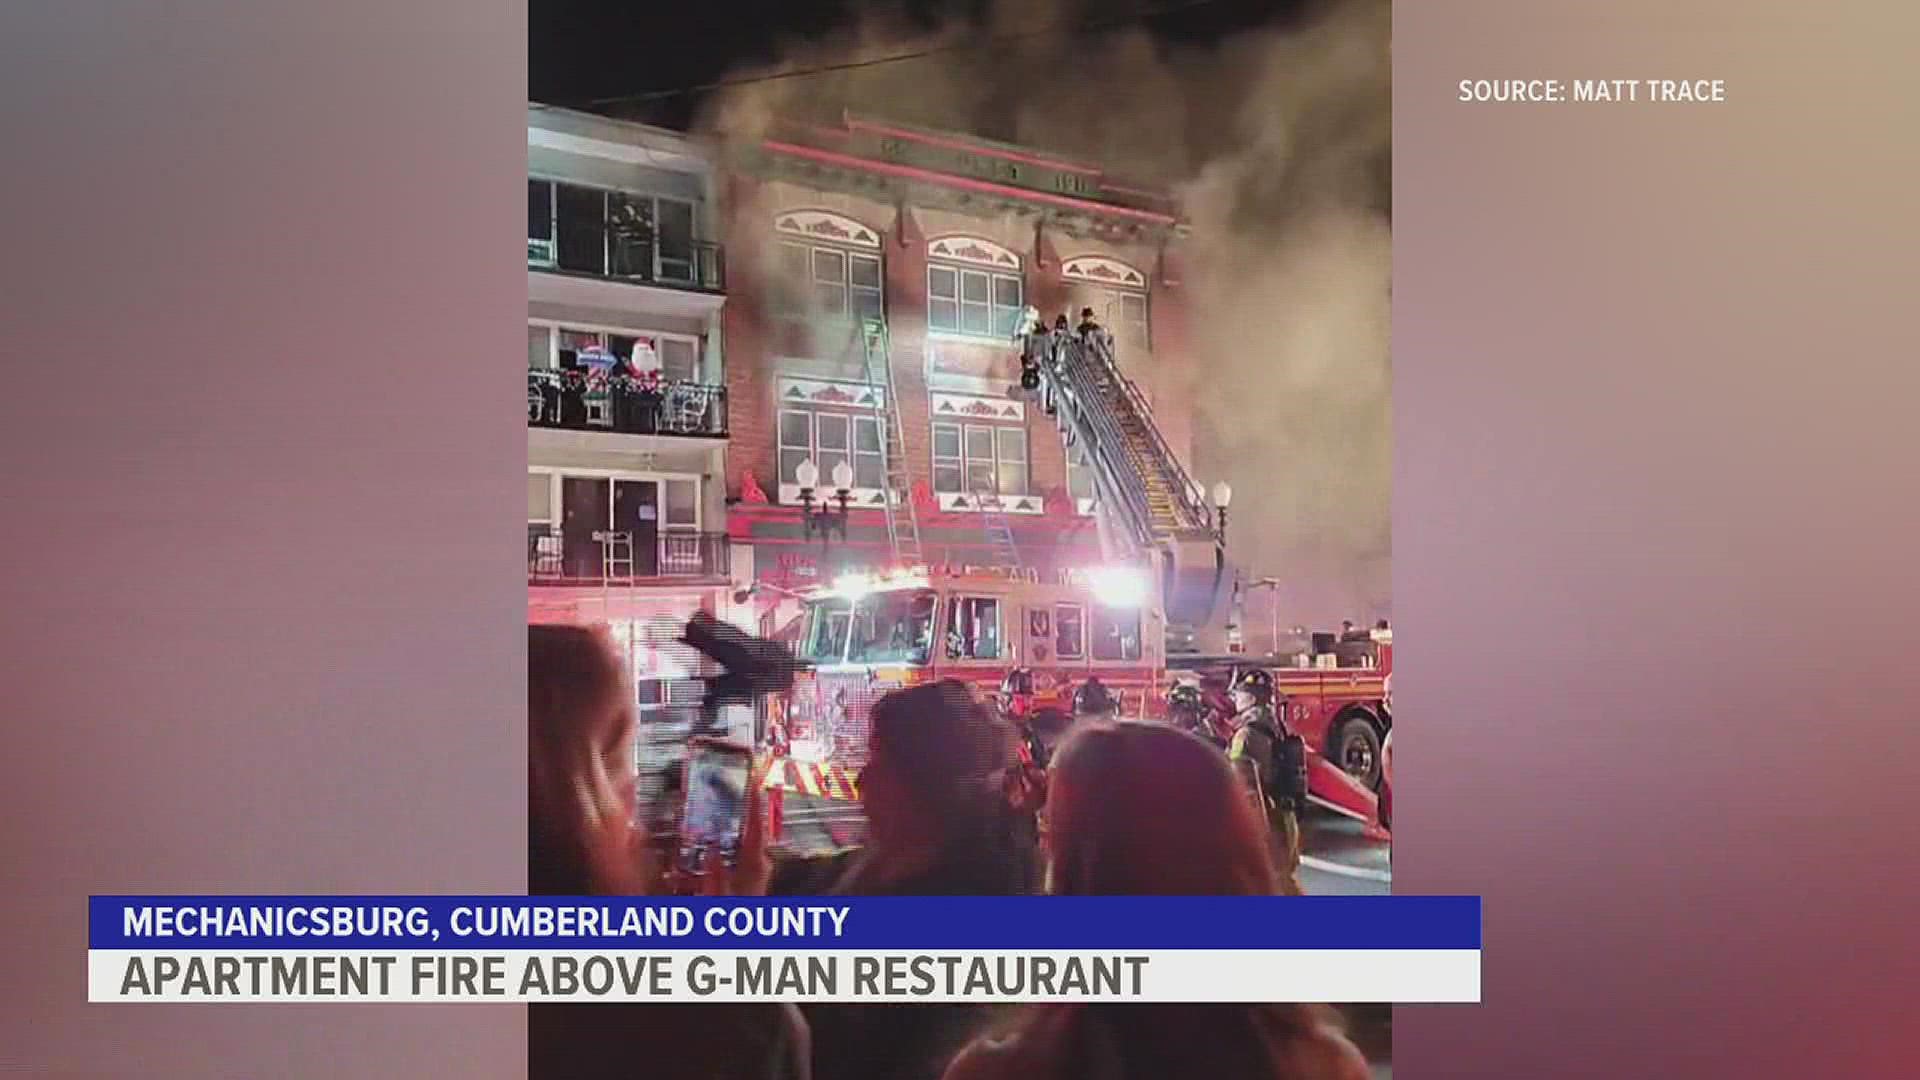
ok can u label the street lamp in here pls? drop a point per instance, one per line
(1222, 495)
(1272, 584)
(826, 520)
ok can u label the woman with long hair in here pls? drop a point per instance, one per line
(582, 840)
(938, 824)
(1144, 809)
(933, 790)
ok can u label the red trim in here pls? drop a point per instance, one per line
(972, 148)
(828, 157)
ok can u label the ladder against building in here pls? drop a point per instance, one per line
(999, 530)
(903, 522)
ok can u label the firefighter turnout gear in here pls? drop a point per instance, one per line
(1091, 698)
(1272, 762)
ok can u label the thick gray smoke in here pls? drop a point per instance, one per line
(1278, 143)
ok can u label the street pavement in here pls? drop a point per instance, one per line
(1338, 859)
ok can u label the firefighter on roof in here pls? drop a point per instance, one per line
(1272, 761)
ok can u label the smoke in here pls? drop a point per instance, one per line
(1277, 142)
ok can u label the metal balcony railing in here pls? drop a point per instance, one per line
(633, 257)
(556, 557)
(581, 399)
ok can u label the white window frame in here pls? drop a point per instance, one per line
(960, 272)
(1082, 504)
(552, 514)
(823, 487)
(660, 480)
(1095, 611)
(965, 463)
(953, 604)
(550, 260)
(1080, 611)
(554, 326)
(1110, 309)
(807, 306)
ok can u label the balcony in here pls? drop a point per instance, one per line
(581, 399)
(565, 556)
(634, 259)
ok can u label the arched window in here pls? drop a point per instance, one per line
(974, 287)
(1116, 292)
(829, 266)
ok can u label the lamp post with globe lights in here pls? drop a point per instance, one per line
(1222, 495)
(829, 519)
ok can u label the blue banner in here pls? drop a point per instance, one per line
(405, 923)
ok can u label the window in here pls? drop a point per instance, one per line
(972, 301)
(539, 223)
(830, 438)
(1116, 633)
(539, 497)
(829, 282)
(551, 346)
(1069, 632)
(892, 628)
(612, 233)
(675, 237)
(973, 628)
(1122, 311)
(679, 359)
(539, 347)
(581, 216)
(683, 503)
(825, 639)
(972, 458)
(1011, 471)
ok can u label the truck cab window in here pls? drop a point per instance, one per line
(892, 628)
(973, 628)
(825, 639)
(1069, 629)
(1116, 633)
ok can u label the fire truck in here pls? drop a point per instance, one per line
(868, 635)
(1161, 607)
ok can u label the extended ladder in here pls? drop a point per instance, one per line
(903, 523)
(999, 530)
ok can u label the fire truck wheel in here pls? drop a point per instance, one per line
(1355, 747)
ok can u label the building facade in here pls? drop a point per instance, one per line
(628, 411)
(946, 239)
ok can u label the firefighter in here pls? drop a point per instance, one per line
(1026, 782)
(1187, 709)
(1272, 761)
(1091, 700)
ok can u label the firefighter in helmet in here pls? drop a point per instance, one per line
(1092, 700)
(1187, 709)
(1272, 761)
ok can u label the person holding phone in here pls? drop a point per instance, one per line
(583, 840)
(938, 824)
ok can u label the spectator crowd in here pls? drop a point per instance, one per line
(944, 818)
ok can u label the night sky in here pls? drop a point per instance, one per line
(581, 51)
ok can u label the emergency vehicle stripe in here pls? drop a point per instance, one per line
(820, 781)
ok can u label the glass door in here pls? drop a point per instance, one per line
(636, 510)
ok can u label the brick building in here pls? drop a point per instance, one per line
(946, 238)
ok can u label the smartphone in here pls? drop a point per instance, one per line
(715, 812)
